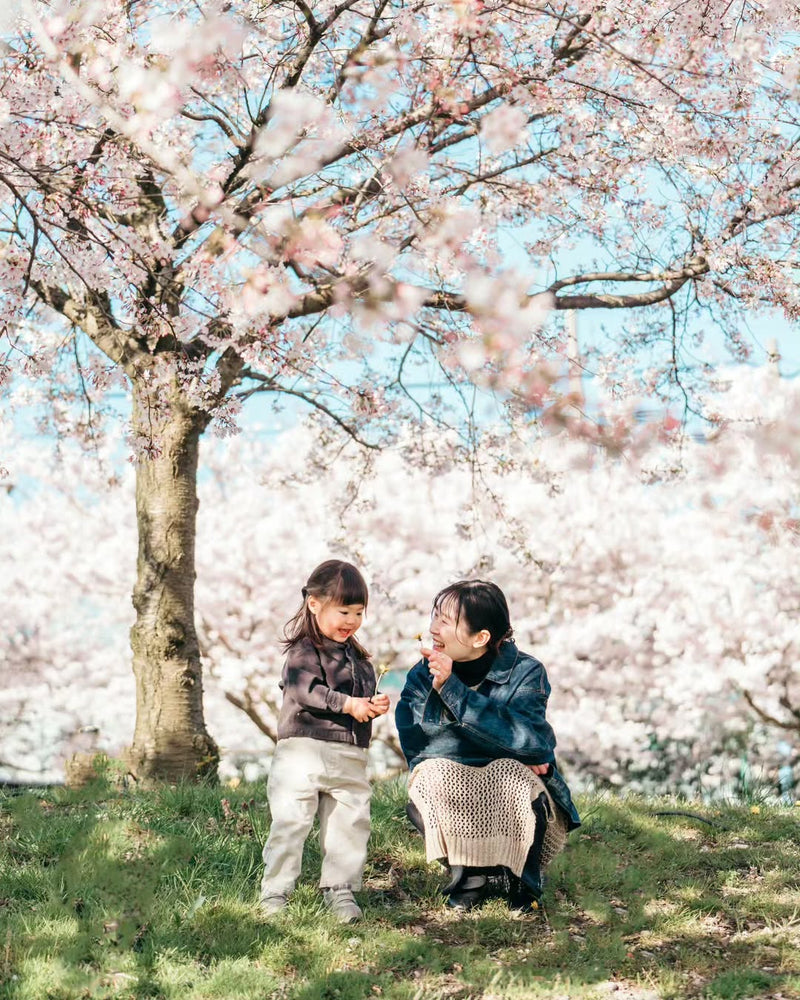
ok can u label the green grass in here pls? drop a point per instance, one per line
(152, 895)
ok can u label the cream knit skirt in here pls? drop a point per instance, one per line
(480, 817)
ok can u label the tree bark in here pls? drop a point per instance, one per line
(170, 741)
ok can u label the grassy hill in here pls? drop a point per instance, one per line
(140, 895)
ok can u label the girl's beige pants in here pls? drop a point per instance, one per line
(312, 778)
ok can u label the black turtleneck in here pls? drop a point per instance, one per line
(472, 672)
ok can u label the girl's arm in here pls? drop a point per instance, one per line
(303, 677)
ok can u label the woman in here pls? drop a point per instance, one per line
(484, 788)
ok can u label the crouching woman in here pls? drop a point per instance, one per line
(484, 788)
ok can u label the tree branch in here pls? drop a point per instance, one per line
(247, 705)
(268, 384)
(370, 36)
(672, 281)
(96, 320)
(765, 716)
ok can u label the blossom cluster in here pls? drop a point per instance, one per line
(660, 590)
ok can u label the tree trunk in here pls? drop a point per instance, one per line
(170, 741)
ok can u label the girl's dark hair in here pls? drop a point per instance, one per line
(335, 581)
(480, 605)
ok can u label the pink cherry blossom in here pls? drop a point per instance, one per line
(309, 204)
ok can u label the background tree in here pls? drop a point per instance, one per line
(242, 198)
(661, 593)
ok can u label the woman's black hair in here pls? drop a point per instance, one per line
(479, 604)
(332, 581)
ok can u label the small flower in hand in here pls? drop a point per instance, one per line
(383, 669)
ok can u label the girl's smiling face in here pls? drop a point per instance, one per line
(452, 636)
(336, 621)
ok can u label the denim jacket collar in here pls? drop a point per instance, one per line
(507, 657)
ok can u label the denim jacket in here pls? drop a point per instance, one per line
(503, 717)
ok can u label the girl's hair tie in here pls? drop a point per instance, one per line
(304, 592)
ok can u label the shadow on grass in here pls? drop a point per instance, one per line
(97, 885)
(672, 899)
(691, 901)
(117, 896)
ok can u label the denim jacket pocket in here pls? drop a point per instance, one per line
(436, 712)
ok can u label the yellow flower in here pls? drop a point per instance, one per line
(755, 810)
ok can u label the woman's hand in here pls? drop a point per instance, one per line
(538, 768)
(380, 702)
(440, 666)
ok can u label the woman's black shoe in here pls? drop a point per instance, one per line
(456, 876)
(469, 893)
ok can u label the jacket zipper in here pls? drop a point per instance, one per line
(349, 659)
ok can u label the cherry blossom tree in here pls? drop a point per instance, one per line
(661, 593)
(202, 203)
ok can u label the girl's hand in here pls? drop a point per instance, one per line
(380, 702)
(440, 666)
(362, 709)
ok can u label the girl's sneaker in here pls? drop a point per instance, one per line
(275, 903)
(340, 901)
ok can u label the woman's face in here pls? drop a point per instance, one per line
(453, 637)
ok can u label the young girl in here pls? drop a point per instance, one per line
(320, 763)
